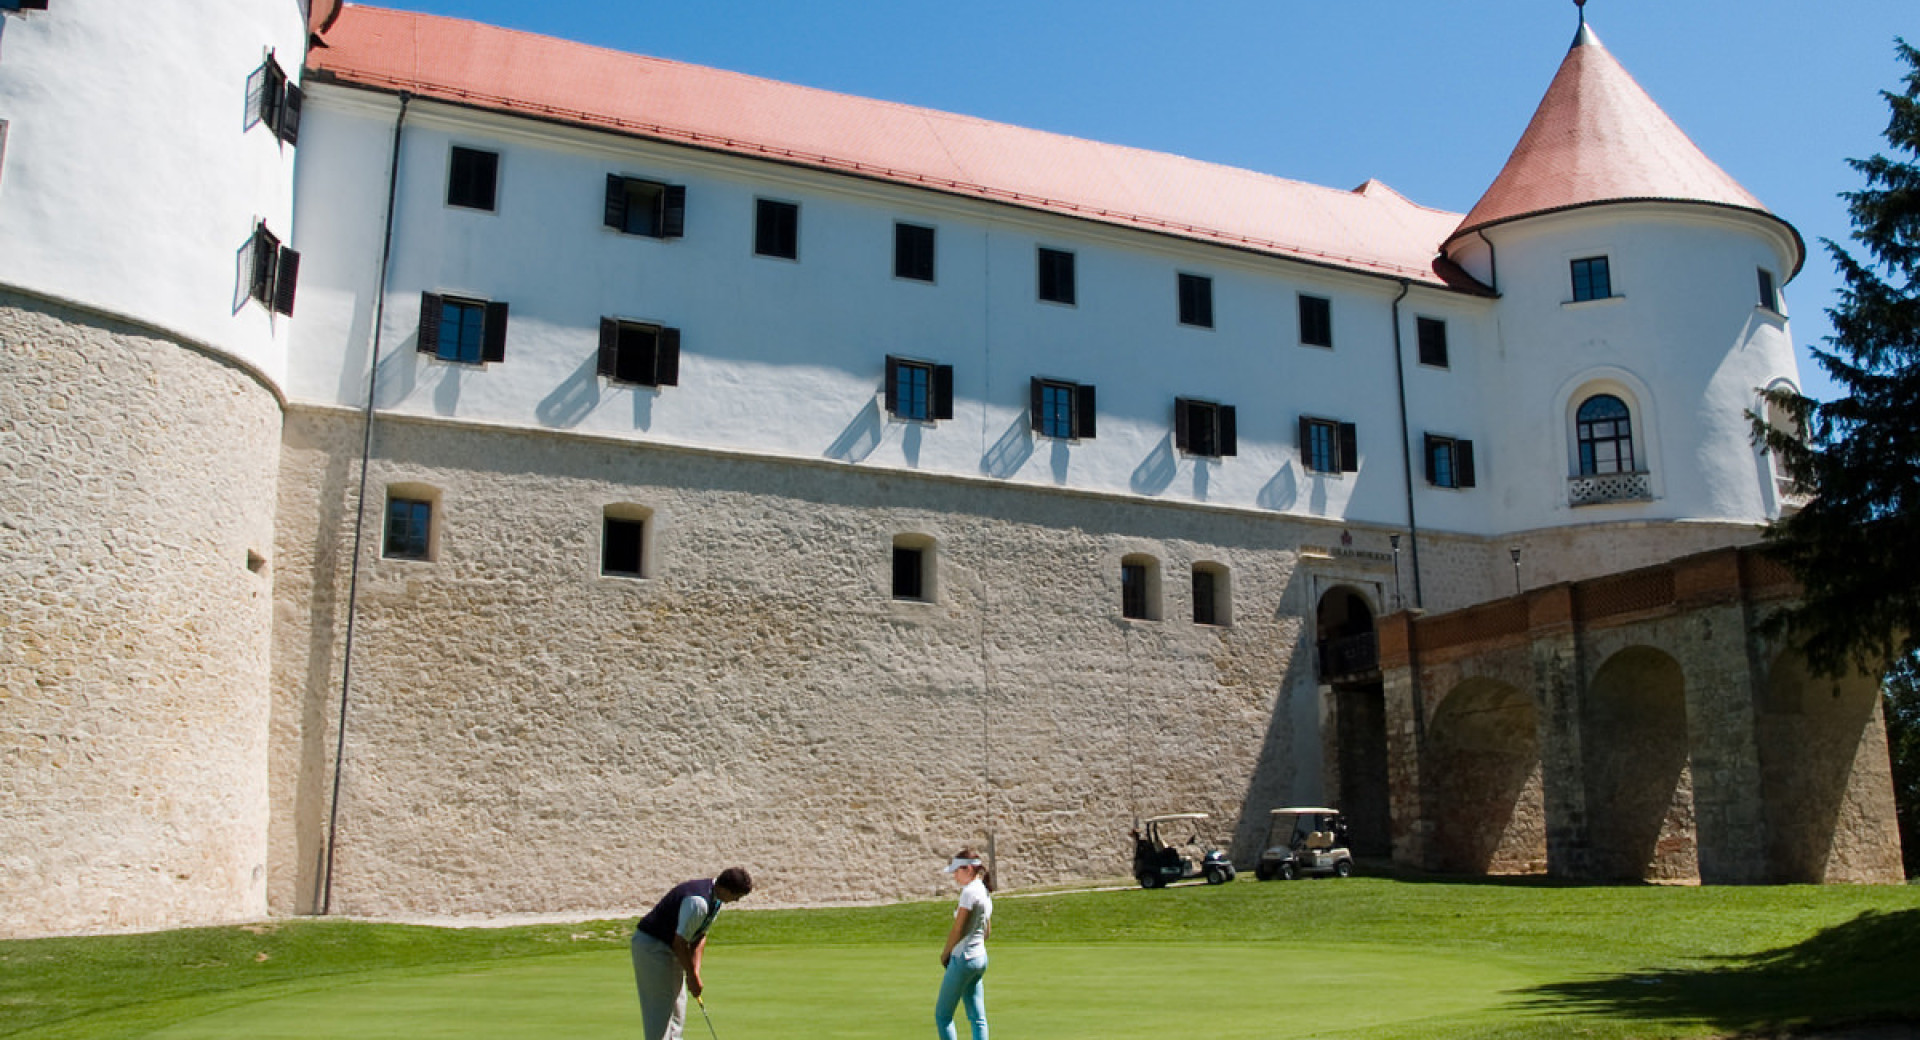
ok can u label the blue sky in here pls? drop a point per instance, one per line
(1429, 97)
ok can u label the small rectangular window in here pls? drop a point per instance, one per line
(919, 390)
(1449, 462)
(1196, 300)
(623, 547)
(272, 270)
(1133, 591)
(913, 252)
(1316, 321)
(470, 332)
(1769, 296)
(643, 207)
(1205, 608)
(638, 352)
(1063, 410)
(1591, 279)
(1329, 446)
(1433, 341)
(776, 229)
(1056, 275)
(472, 176)
(409, 529)
(909, 572)
(1204, 428)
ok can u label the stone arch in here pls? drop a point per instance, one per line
(1812, 729)
(1486, 781)
(1639, 783)
(1350, 674)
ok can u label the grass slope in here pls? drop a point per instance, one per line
(1362, 957)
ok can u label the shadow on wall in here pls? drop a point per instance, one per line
(861, 436)
(1276, 781)
(574, 399)
(1011, 451)
(1155, 472)
(1810, 733)
(1863, 970)
(1281, 492)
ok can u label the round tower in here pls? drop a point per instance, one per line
(1640, 316)
(146, 285)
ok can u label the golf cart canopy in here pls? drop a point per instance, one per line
(1171, 817)
(1301, 811)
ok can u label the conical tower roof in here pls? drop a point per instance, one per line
(1598, 138)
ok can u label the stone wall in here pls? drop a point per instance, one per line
(526, 734)
(136, 502)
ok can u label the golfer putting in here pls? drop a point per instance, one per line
(668, 944)
(965, 955)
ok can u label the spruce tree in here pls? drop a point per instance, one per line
(1855, 546)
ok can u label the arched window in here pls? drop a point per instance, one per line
(1604, 428)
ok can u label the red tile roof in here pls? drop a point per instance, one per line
(1371, 229)
(1598, 138)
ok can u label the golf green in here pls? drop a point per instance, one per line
(1111, 990)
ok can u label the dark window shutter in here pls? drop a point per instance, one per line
(1038, 410)
(265, 256)
(943, 391)
(1463, 463)
(429, 323)
(893, 385)
(494, 334)
(1182, 423)
(616, 216)
(608, 363)
(285, 281)
(673, 211)
(1306, 440)
(1433, 475)
(666, 358)
(1349, 448)
(1229, 431)
(290, 114)
(1083, 412)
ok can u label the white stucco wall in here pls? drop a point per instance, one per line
(130, 183)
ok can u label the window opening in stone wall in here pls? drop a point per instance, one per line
(1211, 604)
(1604, 428)
(913, 252)
(409, 529)
(472, 178)
(1316, 321)
(640, 353)
(1140, 588)
(1056, 275)
(1196, 301)
(1432, 334)
(776, 229)
(646, 208)
(913, 561)
(1591, 279)
(623, 547)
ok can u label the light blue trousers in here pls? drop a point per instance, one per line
(962, 985)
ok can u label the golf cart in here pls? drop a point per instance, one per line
(1160, 858)
(1305, 841)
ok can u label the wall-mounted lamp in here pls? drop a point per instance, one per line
(1515, 553)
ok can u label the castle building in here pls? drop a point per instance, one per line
(453, 470)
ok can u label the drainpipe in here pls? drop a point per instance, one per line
(1406, 443)
(1493, 257)
(360, 515)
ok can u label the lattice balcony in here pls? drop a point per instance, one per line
(1609, 487)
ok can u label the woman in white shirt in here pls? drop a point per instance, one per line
(965, 954)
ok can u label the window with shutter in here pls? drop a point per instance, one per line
(1204, 428)
(647, 208)
(640, 353)
(271, 270)
(1329, 446)
(1063, 410)
(469, 332)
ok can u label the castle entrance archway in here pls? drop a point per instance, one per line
(1489, 799)
(1639, 784)
(1349, 662)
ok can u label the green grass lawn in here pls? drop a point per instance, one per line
(1363, 957)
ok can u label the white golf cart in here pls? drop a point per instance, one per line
(1161, 858)
(1305, 840)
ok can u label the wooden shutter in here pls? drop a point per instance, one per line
(1349, 448)
(1182, 423)
(494, 332)
(1229, 431)
(1306, 441)
(893, 385)
(943, 391)
(616, 214)
(666, 358)
(290, 106)
(1433, 474)
(1463, 463)
(1083, 412)
(286, 279)
(608, 364)
(429, 323)
(258, 84)
(1038, 406)
(673, 211)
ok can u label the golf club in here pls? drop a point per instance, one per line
(709, 1018)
